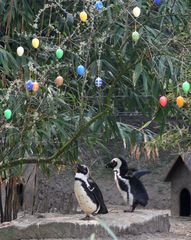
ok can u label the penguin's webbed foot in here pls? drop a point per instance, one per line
(87, 218)
(131, 209)
(127, 210)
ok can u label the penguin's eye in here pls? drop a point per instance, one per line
(85, 170)
(82, 169)
(114, 164)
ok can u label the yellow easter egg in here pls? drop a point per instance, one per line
(83, 16)
(35, 43)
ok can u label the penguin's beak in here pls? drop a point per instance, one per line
(78, 167)
(109, 165)
(74, 168)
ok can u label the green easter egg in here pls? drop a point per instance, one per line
(59, 53)
(135, 36)
(7, 114)
(186, 87)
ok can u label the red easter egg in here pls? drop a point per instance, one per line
(163, 101)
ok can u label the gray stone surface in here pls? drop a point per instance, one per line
(57, 226)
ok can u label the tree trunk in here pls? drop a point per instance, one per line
(13, 199)
(1, 206)
(8, 200)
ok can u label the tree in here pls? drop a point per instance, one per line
(51, 125)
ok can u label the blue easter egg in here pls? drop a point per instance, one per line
(98, 82)
(157, 2)
(29, 85)
(99, 5)
(81, 70)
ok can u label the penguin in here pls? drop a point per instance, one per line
(128, 183)
(88, 194)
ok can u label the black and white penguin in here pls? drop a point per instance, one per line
(128, 183)
(88, 193)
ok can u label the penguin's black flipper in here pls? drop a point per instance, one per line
(98, 196)
(139, 192)
(140, 173)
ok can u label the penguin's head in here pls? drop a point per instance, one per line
(83, 169)
(118, 164)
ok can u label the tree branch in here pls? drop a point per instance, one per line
(53, 159)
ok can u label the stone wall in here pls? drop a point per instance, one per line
(55, 193)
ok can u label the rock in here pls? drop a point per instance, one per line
(58, 226)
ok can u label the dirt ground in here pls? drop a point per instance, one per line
(180, 230)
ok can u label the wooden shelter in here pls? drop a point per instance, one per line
(180, 177)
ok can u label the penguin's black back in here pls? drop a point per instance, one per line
(98, 196)
(139, 192)
(122, 184)
(124, 166)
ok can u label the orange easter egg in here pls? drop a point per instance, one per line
(180, 101)
(59, 81)
(35, 87)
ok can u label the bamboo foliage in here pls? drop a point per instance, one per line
(50, 126)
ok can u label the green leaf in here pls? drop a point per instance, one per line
(137, 72)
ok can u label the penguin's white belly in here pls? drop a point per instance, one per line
(86, 204)
(123, 193)
(130, 194)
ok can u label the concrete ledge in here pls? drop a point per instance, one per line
(57, 226)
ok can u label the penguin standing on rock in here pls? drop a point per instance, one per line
(128, 183)
(88, 193)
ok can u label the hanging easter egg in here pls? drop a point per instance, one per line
(81, 70)
(135, 36)
(20, 51)
(59, 53)
(99, 5)
(7, 114)
(98, 82)
(163, 101)
(35, 87)
(69, 18)
(29, 85)
(83, 16)
(59, 81)
(180, 101)
(35, 43)
(157, 2)
(186, 86)
(136, 12)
